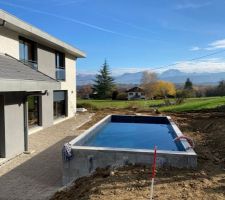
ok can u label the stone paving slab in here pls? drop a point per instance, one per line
(38, 176)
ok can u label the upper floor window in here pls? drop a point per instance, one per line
(28, 52)
(60, 65)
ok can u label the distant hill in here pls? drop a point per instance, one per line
(84, 79)
(172, 75)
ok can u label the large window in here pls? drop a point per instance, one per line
(60, 65)
(28, 52)
(59, 104)
(33, 111)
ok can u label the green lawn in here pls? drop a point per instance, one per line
(101, 104)
(190, 104)
(196, 104)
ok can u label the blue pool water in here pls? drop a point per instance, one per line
(135, 135)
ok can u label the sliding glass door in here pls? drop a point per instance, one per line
(59, 104)
(33, 111)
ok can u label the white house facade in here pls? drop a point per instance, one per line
(135, 93)
(37, 82)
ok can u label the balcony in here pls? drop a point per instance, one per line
(31, 63)
(60, 74)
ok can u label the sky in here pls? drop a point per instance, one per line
(133, 35)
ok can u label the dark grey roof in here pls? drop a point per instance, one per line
(135, 89)
(11, 68)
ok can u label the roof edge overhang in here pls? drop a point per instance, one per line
(13, 85)
(13, 23)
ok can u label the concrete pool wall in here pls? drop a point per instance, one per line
(86, 158)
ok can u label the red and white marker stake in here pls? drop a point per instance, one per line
(153, 173)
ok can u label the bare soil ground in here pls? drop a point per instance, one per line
(133, 182)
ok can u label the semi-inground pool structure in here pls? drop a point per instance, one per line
(118, 140)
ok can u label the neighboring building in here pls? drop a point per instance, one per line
(37, 82)
(135, 93)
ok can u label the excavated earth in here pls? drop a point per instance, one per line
(133, 182)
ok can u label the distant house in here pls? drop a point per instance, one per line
(135, 93)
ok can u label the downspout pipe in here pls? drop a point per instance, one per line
(25, 111)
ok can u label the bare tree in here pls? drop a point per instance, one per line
(148, 82)
(85, 91)
(148, 77)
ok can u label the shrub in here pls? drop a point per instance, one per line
(122, 96)
(87, 106)
(114, 95)
(133, 106)
(185, 93)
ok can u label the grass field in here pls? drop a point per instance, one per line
(196, 104)
(190, 104)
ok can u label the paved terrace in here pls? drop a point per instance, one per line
(38, 175)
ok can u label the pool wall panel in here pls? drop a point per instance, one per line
(87, 159)
(139, 119)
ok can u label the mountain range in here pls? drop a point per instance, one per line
(173, 75)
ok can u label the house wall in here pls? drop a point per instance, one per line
(46, 60)
(9, 42)
(46, 109)
(12, 111)
(70, 84)
(46, 64)
(14, 124)
(133, 95)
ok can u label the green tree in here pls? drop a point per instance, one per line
(188, 85)
(103, 83)
(221, 88)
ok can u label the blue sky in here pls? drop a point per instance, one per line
(133, 35)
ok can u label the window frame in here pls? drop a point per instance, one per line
(59, 67)
(59, 102)
(23, 44)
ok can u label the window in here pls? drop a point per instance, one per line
(130, 93)
(33, 111)
(28, 52)
(59, 104)
(60, 65)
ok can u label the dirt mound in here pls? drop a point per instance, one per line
(208, 129)
(133, 182)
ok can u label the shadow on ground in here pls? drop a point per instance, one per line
(37, 178)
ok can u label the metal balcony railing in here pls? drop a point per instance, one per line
(31, 63)
(60, 74)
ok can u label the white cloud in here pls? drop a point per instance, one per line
(210, 65)
(195, 48)
(190, 5)
(218, 44)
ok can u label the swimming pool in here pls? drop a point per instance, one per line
(122, 139)
(135, 135)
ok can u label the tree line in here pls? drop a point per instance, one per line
(104, 87)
